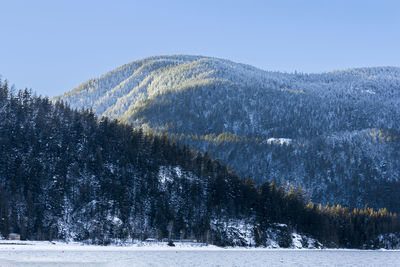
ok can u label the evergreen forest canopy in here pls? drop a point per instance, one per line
(334, 134)
(66, 174)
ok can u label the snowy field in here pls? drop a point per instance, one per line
(47, 254)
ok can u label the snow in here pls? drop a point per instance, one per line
(281, 141)
(178, 171)
(237, 231)
(280, 224)
(241, 233)
(115, 220)
(302, 242)
(73, 254)
(296, 239)
(164, 175)
(368, 92)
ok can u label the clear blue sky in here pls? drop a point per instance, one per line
(53, 46)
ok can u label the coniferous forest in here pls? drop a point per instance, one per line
(67, 174)
(335, 134)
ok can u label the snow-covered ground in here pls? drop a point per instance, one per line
(61, 254)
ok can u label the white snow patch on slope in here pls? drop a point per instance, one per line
(280, 141)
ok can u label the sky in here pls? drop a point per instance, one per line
(53, 46)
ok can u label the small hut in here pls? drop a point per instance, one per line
(14, 236)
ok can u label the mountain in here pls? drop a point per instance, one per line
(68, 175)
(334, 134)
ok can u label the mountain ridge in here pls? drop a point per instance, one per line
(126, 74)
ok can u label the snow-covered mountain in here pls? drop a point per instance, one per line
(68, 175)
(336, 134)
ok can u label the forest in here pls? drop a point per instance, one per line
(335, 134)
(66, 174)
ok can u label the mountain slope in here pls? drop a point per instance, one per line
(335, 134)
(68, 175)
